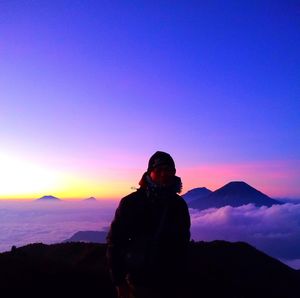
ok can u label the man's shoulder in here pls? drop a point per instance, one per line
(180, 200)
(132, 197)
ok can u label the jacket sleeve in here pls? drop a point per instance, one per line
(185, 225)
(183, 236)
(116, 244)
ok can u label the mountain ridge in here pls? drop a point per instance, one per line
(196, 193)
(234, 193)
(88, 236)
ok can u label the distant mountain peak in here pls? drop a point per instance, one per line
(237, 183)
(48, 198)
(234, 193)
(90, 199)
(199, 189)
(88, 236)
(196, 193)
(240, 188)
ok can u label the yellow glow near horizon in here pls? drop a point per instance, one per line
(20, 179)
(76, 187)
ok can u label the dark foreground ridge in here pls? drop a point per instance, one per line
(88, 236)
(215, 269)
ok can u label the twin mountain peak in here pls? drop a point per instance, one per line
(235, 193)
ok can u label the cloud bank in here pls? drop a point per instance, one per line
(274, 230)
(22, 223)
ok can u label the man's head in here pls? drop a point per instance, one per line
(161, 168)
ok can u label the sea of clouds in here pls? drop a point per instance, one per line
(274, 230)
(22, 223)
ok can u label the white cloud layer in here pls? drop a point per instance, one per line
(22, 223)
(274, 230)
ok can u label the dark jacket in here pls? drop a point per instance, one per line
(149, 235)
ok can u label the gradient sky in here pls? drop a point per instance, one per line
(89, 90)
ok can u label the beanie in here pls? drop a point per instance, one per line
(160, 158)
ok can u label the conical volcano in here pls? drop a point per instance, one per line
(235, 193)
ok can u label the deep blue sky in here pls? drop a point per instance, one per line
(89, 88)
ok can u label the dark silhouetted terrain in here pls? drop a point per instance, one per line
(88, 236)
(236, 193)
(215, 269)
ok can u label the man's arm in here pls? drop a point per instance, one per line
(186, 222)
(116, 241)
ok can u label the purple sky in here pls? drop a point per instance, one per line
(90, 89)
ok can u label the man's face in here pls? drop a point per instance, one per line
(162, 175)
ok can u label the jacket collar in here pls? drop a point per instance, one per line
(147, 184)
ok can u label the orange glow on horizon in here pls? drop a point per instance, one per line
(23, 180)
(27, 180)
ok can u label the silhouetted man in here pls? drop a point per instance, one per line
(148, 238)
